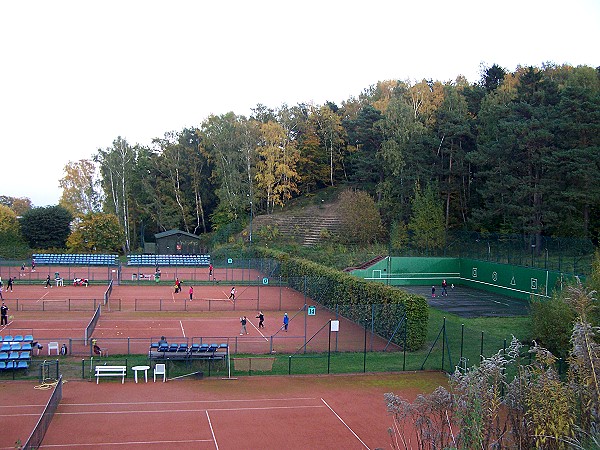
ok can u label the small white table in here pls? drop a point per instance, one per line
(136, 369)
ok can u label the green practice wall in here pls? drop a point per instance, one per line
(504, 279)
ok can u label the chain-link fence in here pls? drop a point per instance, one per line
(563, 254)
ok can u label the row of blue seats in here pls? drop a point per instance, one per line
(185, 348)
(203, 350)
(71, 258)
(15, 346)
(17, 338)
(168, 260)
(15, 356)
(14, 365)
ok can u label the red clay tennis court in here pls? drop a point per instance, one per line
(249, 412)
(137, 315)
(296, 412)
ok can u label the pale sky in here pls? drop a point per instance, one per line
(75, 75)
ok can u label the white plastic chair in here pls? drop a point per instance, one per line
(53, 346)
(160, 369)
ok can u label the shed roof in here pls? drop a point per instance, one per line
(175, 233)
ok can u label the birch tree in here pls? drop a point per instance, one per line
(222, 139)
(116, 169)
(328, 128)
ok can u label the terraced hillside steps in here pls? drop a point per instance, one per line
(306, 226)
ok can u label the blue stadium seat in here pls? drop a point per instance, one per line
(212, 348)
(18, 338)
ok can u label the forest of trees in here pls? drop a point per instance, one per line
(513, 153)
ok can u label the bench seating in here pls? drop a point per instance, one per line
(111, 371)
(6, 347)
(185, 352)
(168, 260)
(14, 365)
(15, 353)
(74, 259)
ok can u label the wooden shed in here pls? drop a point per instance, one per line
(177, 242)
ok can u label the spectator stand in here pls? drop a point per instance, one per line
(168, 260)
(69, 259)
(15, 353)
(177, 350)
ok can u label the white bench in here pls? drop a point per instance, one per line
(111, 371)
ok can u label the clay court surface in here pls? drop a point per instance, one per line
(298, 412)
(138, 315)
(141, 274)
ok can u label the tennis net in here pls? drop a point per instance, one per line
(92, 325)
(108, 292)
(37, 435)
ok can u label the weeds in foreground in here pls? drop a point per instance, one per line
(484, 409)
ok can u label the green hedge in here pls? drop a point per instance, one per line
(331, 287)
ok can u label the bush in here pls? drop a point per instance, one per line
(329, 286)
(552, 324)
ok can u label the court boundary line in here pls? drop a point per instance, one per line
(259, 332)
(212, 431)
(187, 402)
(79, 444)
(196, 410)
(345, 424)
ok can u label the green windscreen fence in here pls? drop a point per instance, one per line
(504, 279)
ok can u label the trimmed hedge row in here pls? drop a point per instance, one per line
(330, 287)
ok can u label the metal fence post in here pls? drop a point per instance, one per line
(481, 353)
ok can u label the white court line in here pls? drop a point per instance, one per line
(46, 320)
(79, 444)
(500, 303)
(23, 414)
(256, 328)
(160, 321)
(212, 431)
(54, 329)
(143, 411)
(351, 431)
(187, 402)
(42, 297)
(182, 330)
